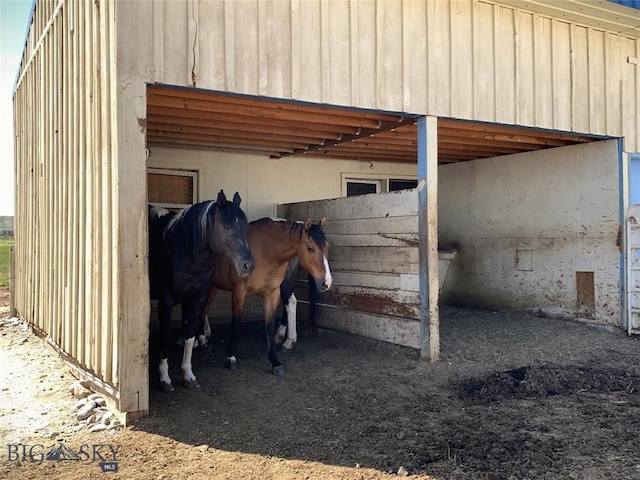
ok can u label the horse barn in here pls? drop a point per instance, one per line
(496, 141)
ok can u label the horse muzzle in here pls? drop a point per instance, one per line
(245, 268)
(324, 284)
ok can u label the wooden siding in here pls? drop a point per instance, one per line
(463, 59)
(69, 258)
(374, 261)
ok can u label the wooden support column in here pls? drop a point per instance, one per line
(428, 235)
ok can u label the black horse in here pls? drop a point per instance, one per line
(182, 252)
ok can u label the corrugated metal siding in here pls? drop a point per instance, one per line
(66, 228)
(464, 59)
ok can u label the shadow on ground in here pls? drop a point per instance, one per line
(514, 396)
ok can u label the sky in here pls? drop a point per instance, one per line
(14, 15)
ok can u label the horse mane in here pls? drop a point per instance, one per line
(296, 229)
(315, 232)
(189, 229)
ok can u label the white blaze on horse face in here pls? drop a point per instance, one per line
(164, 371)
(328, 280)
(292, 333)
(186, 359)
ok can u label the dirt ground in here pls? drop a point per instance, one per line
(514, 397)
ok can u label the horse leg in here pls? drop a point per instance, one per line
(313, 296)
(286, 290)
(190, 320)
(292, 333)
(237, 302)
(164, 316)
(270, 305)
(205, 327)
(284, 321)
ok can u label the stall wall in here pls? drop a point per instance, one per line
(80, 268)
(264, 182)
(530, 228)
(374, 260)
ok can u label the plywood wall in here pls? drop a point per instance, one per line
(374, 262)
(464, 59)
(69, 259)
(530, 228)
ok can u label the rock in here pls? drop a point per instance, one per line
(90, 420)
(106, 418)
(98, 427)
(86, 411)
(80, 392)
(98, 399)
(114, 423)
(402, 472)
(202, 448)
(85, 384)
(80, 403)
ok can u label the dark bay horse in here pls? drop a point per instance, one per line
(286, 333)
(183, 249)
(273, 243)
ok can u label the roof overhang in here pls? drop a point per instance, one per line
(190, 118)
(601, 14)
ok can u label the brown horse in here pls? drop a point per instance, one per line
(273, 242)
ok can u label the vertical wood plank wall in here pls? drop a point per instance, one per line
(466, 59)
(374, 260)
(67, 254)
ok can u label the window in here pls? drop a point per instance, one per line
(360, 184)
(361, 187)
(172, 188)
(395, 185)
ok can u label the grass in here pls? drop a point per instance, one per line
(5, 244)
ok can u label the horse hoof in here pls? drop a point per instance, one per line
(231, 364)
(166, 387)
(288, 345)
(191, 384)
(278, 370)
(278, 338)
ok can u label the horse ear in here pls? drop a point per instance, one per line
(307, 224)
(237, 199)
(322, 222)
(221, 197)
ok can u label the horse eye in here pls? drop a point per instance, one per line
(310, 249)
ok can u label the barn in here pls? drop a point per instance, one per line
(495, 140)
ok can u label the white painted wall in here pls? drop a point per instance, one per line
(559, 207)
(263, 182)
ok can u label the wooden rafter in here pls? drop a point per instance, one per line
(186, 118)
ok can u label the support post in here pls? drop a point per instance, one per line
(12, 284)
(428, 237)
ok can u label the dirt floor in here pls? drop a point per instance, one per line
(514, 397)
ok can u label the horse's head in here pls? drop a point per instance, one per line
(229, 234)
(313, 253)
